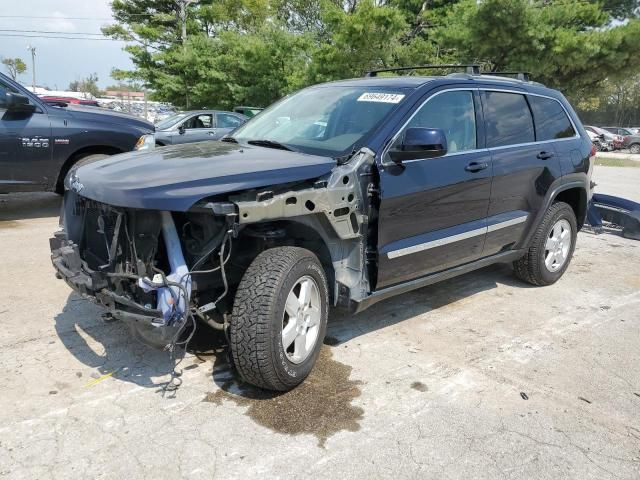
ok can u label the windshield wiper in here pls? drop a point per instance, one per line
(270, 144)
(228, 139)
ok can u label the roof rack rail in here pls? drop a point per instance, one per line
(471, 69)
(524, 76)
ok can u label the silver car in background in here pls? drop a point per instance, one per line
(192, 126)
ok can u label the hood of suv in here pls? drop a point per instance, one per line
(82, 112)
(176, 177)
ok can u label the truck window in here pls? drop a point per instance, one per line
(508, 119)
(550, 118)
(455, 114)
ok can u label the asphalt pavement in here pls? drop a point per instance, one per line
(478, 377)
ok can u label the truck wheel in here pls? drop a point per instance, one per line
(279, 318)
(551, 248)
(635, 148)
(77, 163)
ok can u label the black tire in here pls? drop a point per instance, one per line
(256, 326)
(635, 148)
(531, 267)
(81, 160)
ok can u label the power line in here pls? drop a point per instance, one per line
(50, 32)
(76, 18)
(60, 38)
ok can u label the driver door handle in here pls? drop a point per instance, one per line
(211, 132)
(545, 155)
(476, 166)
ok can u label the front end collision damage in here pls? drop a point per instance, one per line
(340, 209)
(159, 270)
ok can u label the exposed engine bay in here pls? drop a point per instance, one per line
(162, 272)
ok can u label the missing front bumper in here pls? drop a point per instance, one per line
(93, 285)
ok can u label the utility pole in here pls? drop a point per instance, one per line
(33, 66)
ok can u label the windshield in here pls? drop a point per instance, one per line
(170, 121)
(329, 121)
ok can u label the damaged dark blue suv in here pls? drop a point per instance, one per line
(342, 194)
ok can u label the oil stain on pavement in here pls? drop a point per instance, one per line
(320, 406)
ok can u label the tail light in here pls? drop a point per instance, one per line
(593, 151)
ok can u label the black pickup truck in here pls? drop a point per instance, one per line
(40, 142)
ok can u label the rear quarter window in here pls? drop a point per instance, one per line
(508, 119)
(550, 119)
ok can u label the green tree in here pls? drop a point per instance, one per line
(254, 51)
(573, 45)
(367, 37)
(88, 85)
(15, 66)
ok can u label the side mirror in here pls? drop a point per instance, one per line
(420, 143)
(15, 102)
(182, 129)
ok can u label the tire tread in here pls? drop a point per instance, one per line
(253, 310)
(528, 268)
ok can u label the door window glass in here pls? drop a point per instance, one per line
(550, 118)
(508, 119)
(224, 120)
(199, 121)
(454, 113)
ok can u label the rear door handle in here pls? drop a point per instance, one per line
(476, 166)
(545, 155)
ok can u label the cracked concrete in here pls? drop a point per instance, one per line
(440, 372)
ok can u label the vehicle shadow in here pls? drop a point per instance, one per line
(112, 350)
(21, 206)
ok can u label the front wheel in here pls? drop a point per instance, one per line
(551, 248)
(78, 162)
(279, 318)
(635, 148)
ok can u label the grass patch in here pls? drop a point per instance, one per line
(616, 162)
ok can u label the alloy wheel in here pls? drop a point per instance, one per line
(558, 245)
(301, 320)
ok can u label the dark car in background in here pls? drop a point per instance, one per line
(247, 111)
(194, 126)
(39, 142)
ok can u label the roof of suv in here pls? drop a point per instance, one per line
(415, 81)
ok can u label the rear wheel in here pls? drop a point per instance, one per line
(279, 318)
(551, 248)
(635, 148)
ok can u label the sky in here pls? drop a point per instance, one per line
(59, 61)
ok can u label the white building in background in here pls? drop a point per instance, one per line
(41, 91)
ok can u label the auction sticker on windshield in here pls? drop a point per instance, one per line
(381, 97)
